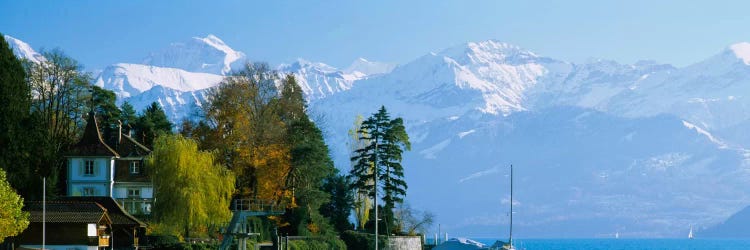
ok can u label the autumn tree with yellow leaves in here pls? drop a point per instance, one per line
(256, 119)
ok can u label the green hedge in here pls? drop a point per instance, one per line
(315, 244)
(357, 240)
(170, 242)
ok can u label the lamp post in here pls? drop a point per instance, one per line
(375, 176)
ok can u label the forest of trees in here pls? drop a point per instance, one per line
(253, 139)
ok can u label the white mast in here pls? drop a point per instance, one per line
(511, 205)
(510, 240)
(690, 235)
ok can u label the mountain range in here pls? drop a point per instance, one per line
(599, 147)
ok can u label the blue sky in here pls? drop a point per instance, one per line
(98, 33)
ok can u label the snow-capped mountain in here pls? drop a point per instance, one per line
(319, 80)
(128, 80)
(200, 54)
(643, 149)
(364, 67)
(509, 100)
(184, 71)
(23, 50)
(178, 91)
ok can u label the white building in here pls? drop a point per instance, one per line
(117, 170)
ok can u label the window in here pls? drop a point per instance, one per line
(88, 191)
(88, 168)
(134, 193)
(135, 167)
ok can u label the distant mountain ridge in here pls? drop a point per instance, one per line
(601, 147)
(199, 54)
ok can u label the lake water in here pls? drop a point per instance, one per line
(616, 244)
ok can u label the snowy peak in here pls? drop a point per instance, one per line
(23, 50)
(319, 80)
(493, 76)
(365, 67)
(128, 80)
(490, 51)
(199, 54)
(741, 51)
(302, 64)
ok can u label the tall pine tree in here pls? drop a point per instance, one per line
(151, 123)
(15, 103)
(387, 139)
(107, 113)
(127, 117)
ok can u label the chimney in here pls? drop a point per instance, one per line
(119, 132)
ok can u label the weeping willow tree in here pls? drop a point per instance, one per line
(362, 202)
(193, 191)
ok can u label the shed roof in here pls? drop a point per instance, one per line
(116, 212)
(66, 212)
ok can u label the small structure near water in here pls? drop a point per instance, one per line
(460, 244)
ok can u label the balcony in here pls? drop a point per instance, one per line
(136, 206)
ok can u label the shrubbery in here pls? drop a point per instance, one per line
(358, 240)
(319, 243)
(171, 242)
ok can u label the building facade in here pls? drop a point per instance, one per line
(112, 167)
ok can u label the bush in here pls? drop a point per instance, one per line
(200, 246)
(168, 242)
(315, 244)
(359, 240)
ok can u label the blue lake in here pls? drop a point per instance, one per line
(614, 244)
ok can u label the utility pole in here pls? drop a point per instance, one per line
(375, 174)
(44, 211)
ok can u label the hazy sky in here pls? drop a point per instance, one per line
(98, 33)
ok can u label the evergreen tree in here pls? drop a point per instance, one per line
(362, 202)
(310, 166)
(387, 139)
(107, 113)
(15, 103)
(151, 123)
(127, 117)
(340, 206)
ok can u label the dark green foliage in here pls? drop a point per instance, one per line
(358, 240)
(386, 221)
(152, 122)
(162, 242)
(342, 201)
(292, 102)
(311, 165)
(107, 113)
(40, 130)
(171, 242)
(15, 102)
(127, 117)
(387, 139)
(262, 226)
(200, 246)
(317, 243)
